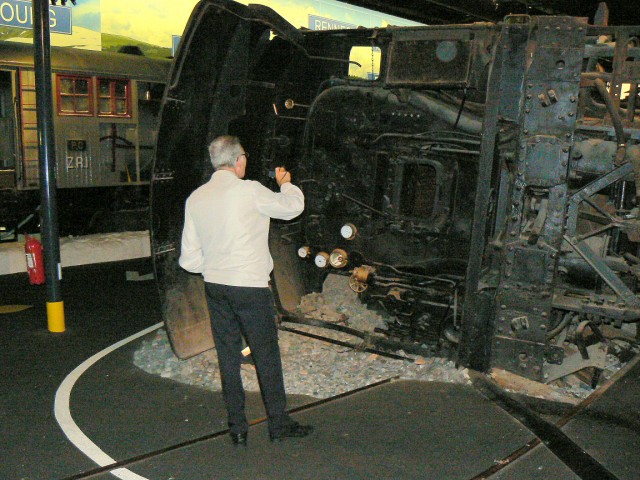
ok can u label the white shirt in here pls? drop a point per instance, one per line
(226, 229)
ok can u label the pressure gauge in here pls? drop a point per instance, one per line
(304, 252)
(348, 231)
(338, 258)
(321, 260)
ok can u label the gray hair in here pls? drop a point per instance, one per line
(224, 151)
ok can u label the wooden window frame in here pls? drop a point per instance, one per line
(113, 98)
(88, 95)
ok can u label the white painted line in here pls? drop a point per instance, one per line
(69, 427)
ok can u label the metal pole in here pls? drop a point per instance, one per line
(47, 165)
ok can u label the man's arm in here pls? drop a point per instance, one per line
(287, 204)
(191, 258)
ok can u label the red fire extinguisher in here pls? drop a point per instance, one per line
(35, 260)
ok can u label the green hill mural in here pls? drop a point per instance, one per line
(112, 43)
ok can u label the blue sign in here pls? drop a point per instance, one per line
(322, 23)
(18, 13)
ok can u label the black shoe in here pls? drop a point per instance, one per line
(292, 430)
(239, 439)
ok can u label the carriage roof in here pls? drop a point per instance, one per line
(89, 62)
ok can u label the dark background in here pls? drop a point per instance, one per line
(435, 12)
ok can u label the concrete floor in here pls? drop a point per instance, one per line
(154, 428)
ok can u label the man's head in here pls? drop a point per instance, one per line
(227, 154)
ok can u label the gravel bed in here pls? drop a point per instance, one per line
(320, 369)
(311, 367)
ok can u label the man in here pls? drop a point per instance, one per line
(225, 238)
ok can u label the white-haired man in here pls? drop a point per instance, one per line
(225, 238)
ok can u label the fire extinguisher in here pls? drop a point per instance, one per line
(35, 260)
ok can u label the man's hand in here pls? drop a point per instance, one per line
(282, 176)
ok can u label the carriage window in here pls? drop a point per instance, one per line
(74, 96)
(114, 97)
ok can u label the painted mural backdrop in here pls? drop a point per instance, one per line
(156, 25)
(73, 26)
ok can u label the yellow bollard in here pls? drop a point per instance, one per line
(55, 316)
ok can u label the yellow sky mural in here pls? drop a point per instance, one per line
(149, 21)
(155, 21)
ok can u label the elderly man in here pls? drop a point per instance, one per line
(225, 238)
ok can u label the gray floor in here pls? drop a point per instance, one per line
(159, 429)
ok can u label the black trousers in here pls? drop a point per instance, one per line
(245, 311)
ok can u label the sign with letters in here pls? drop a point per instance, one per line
(76, 145)
(18, 13)
(322, 23)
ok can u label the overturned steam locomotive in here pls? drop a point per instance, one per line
(477, 182)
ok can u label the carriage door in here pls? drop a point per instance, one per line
(7, 132)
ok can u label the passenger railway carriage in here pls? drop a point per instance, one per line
(105, 108)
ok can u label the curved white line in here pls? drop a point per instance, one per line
(69, 427)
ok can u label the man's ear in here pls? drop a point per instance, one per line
(237, 167)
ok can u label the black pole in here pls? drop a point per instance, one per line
(47, 165)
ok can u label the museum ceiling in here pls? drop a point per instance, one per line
(621, 12)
